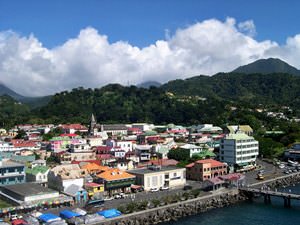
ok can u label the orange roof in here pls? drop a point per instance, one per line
(93, 166)
(213, 163)
(115, 174)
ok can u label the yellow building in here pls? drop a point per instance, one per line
(94, 189)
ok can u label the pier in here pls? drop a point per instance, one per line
(267, 194)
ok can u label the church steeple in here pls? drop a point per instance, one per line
(92, 125)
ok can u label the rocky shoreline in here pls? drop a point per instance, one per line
(279, 182)
(178, 210)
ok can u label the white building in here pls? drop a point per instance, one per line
(238, 149)
(192, 149)
(124, 145)
(157, 177)
(62, 176)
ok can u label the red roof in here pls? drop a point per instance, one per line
(134, 129)
(75, 126)
(92, 184)
(213, 163)
(68, 135)
(161, 162)
(103, 148)
(105, 156)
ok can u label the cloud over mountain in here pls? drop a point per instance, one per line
(90, 60)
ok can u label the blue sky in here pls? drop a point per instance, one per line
(57, 45)
(142, 22)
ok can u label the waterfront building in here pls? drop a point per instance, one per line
(154, 176)
(293, 152)
(205, 169)
(116, 181)
(238, 150)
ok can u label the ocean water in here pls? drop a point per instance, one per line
(249, 213)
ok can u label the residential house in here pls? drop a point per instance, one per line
(124, 145)
(205, 169)
(191, 149)
(116, 181)
(73, 128)
(39, 162)
(38, 174)
(155, 176)
(143, 151)
(123, 164)
(62, 176)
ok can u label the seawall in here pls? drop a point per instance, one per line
(173, 212)
(283, 181)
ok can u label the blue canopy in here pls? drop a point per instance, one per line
(48, 217)
(110, 213)
(67, 214)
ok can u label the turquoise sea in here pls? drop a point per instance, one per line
(249, 213)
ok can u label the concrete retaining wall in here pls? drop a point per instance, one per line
(178, 210)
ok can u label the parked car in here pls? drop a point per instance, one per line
(154, 189)
(117, 196)
(109, 198)
(164, 188)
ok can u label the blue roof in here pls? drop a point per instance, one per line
(47, 217)
(110, 213)
(67, 214)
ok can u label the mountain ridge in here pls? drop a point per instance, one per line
(267, 66)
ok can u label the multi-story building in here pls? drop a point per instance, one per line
(11, 172)
(156, 177)
(116, 181)
(238, 150)
(205, 169)
(143, 151)
(63, 176)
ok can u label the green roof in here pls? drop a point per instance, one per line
(150, 133)
(37, 169)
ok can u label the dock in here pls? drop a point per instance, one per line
(267, 194)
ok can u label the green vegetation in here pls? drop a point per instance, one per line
(4, 204)
(221, 100)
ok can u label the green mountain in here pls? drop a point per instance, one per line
(267, 66)
(7, 91)
(33, 102)
(149, 84)
(12, 111)
(257, 88)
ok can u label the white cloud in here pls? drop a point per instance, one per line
(247, 27)
(89, 60)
